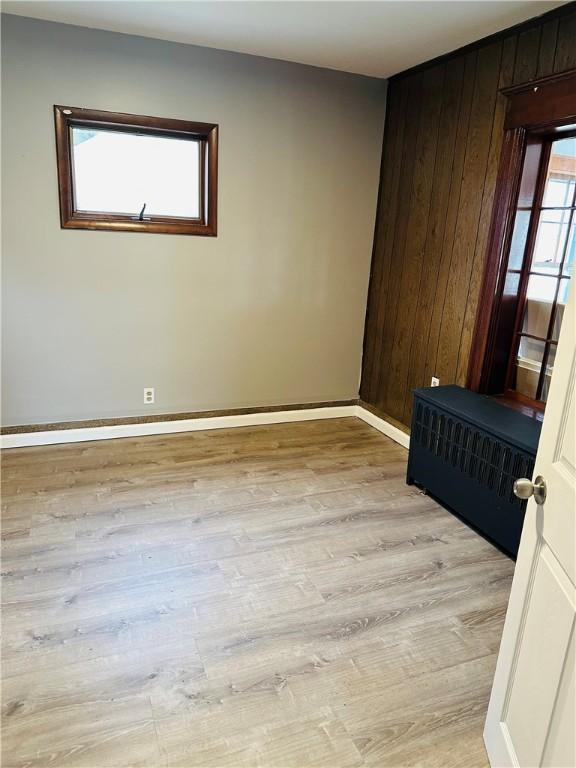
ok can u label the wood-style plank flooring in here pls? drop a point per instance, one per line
(272, 596)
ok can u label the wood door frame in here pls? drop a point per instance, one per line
(543, 106)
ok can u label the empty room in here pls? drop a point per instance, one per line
(288, 416)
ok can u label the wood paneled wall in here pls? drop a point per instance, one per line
(442, 142)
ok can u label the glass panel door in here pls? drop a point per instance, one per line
(546, 273)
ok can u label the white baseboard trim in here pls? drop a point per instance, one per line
(384, 426)
(53, 437)
(86, 434)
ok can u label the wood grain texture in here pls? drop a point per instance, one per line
(435, 206)
(488, 195)
(269, 596)
(407, 287)
(398, 233)
(530, 112)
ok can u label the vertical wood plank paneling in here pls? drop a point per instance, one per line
(565, 54)
(436, 204)
(527, 51)
(475, 165)
(418, 375)
(505, 79)
(406, 170)
(386, 198)
(547, 48)
(383, 247)
(459, 151)
(408, 288)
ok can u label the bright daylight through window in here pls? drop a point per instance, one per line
(135, 173)
(547, 272)
(119, 172)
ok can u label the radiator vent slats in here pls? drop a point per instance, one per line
(479, 455)
(466, 450)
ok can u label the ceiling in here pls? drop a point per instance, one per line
(378, 38)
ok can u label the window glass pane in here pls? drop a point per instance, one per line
(518, 243)
(530, 171)
(560, 307)
(551, 264)
(117, 172)
(568, 268)
(549, 371)
(541, 288)
(550, 240)
(561, 173)
(565, 284)
(558, 192)
(527, 366)
(538, 306)
(511, 284)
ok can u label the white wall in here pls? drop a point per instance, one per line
(269, 312)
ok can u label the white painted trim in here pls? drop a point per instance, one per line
(56, 436)
(383, 426)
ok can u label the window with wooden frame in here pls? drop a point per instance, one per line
(532, 247)
(135, 173)
(540, 265)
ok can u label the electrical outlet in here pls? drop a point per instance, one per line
(148, 395)
(435, 382)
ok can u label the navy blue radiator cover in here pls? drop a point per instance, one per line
(466, 450)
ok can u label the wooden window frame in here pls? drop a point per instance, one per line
(206, 133)
(536, 112)
(525, 271)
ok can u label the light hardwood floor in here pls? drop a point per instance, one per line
(272, 596)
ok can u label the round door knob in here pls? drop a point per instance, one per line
(524, 488)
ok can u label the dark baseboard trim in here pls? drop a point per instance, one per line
(153, 418)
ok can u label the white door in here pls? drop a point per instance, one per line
(531, 718)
